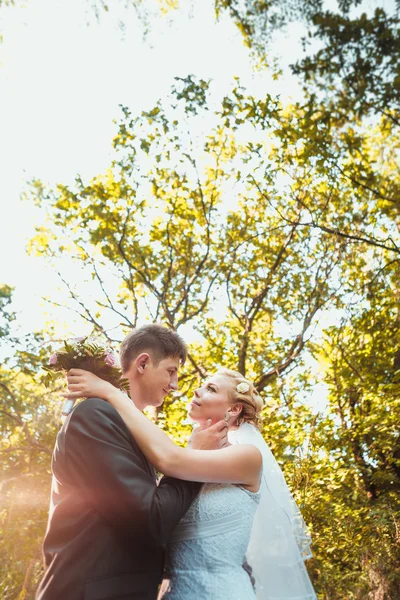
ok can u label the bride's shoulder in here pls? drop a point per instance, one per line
(248, 452)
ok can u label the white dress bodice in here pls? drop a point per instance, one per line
(206, 553)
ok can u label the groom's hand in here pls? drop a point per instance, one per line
(209, 437)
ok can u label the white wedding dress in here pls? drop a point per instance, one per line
(227, 525)
(207, 549)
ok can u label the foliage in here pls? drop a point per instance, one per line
(360, 435)
(29, 417)
(6, 316)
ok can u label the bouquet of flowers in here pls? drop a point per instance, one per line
(88, 354)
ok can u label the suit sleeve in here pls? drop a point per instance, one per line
(102, 460)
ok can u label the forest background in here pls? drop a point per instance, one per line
(254, 208)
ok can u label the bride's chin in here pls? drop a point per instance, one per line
(195, 419)
(199, 420)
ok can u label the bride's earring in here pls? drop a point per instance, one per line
(226, 417)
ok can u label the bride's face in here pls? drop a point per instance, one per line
(211, 400)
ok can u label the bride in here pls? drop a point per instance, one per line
(243, 537)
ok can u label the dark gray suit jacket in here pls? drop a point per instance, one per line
(109, 521)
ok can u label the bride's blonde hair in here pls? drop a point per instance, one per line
(250, 399)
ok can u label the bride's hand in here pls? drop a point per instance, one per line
(84, 384)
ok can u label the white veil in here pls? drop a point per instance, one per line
(279, 542)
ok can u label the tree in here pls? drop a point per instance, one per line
(163, 232)
(28, 423)
(355, 512)
(6, 316)
(302, 235)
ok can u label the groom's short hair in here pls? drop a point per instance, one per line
(159, 341)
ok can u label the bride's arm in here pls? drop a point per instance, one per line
(234, 464)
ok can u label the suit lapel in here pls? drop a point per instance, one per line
(138, 451)
(151, 469)
(146, 463)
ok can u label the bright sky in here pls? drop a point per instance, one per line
(62, 77)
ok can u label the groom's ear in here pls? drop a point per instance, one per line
(142, 361)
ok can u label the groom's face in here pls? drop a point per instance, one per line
(155, 380)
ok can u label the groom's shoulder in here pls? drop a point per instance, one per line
(93, 409)
(93, 415)
(92, 421)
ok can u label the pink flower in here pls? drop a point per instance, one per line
(109, 359)
(79, 339)
(53, 359)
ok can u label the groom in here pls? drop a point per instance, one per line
(109, 522)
